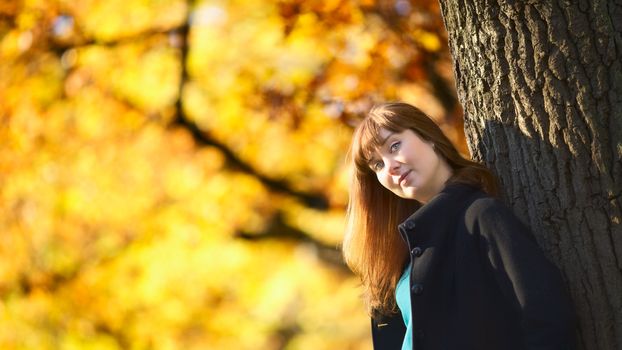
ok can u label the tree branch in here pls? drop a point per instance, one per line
(60, 47)
(312, 200)
(278, 229)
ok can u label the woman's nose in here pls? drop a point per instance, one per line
(394, 167)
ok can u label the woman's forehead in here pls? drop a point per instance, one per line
(383, 135)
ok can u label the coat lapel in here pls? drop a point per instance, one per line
(431, 229)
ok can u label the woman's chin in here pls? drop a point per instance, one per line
(409, 193)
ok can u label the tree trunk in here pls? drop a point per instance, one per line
(541, 87)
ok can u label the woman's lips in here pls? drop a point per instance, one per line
(403, 177)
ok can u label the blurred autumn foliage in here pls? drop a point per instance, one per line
(172, 173)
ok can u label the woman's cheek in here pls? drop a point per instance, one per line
(415, 178)
(384, 181)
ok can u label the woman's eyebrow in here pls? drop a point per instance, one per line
(386, 138)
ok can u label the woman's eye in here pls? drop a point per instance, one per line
(377, 165)
(395, 146)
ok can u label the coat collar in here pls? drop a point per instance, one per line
(436, 216)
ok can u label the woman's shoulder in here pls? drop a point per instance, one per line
(484, 203)
(490, 216)
(486, 208)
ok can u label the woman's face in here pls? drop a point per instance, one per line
(408, 166)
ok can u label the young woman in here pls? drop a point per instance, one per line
(444, 265)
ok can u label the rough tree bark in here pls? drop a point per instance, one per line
(541, 87)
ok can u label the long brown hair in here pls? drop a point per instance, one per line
(372, 246)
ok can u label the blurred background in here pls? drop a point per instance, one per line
(172, 173)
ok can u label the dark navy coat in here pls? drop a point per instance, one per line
(479, 281)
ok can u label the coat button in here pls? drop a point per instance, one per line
(417, 288)
(416, 251)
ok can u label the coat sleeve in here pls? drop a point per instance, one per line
(531, 283)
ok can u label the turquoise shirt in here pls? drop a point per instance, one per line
(402, 296)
